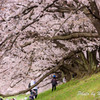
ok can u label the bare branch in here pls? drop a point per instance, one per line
(76, 35)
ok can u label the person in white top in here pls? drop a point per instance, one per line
(32, 83)
(34, 90)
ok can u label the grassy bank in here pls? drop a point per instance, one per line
(87, 88)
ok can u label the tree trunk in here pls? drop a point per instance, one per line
(95, 61)
(94, 15)
(89, 59)
(86, 63)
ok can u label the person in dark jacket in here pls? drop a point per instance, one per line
(54, 83)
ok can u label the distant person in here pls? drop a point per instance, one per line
(31, 97)
(54, 82)
(34, 91)
(64, 80)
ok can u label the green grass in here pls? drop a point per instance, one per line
(19, 97)
(87, 88)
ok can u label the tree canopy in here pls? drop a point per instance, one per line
(39, 37)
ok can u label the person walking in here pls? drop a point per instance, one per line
(34, 90)
(54, 83)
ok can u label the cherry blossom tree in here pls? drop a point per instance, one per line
(41, 37)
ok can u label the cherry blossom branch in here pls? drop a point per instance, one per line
(44, 76)
(66, 37)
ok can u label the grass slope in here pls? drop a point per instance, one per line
(87, 88)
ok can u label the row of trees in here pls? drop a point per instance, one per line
(42, 37)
